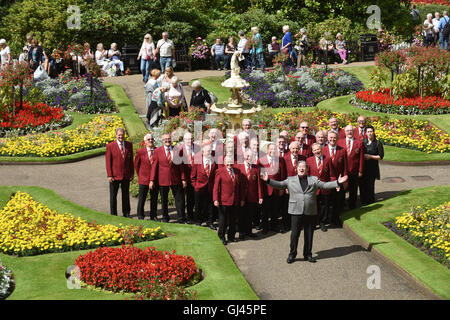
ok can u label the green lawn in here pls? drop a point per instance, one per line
(367, 223)
(42, 277)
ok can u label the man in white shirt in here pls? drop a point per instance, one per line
(436, 19)
(243, 50)
(166, 50)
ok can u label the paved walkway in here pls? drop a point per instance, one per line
(340, 272)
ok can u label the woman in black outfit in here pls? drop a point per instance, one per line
(200, 97)
(35, 55)
(373, 152)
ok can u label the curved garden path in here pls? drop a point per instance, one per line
(340, 272)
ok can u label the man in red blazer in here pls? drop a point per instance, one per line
(308, 138)
(333, 123)
(189, 151)
(253, 195)
(217, 147)
(143, 162)
(320, 167)
(273, 165)
(303, 148)
(284, 195)
(292, 158)
(120, 171)
(169, 175)
(338, 156)
(360, 132)
(321, 138)
(202, 179)
(228, 197)
(355, 164)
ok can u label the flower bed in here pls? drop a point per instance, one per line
(28, 227)
(126, 269)
(428, 229)
(382, 101)
(406, 133)
(7, 282)
(94, 134)
(38, 117)
(71, 93)
(303, 87)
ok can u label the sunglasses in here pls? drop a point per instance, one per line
(304, 127)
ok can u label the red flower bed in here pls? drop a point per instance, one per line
(381, 101)
(441, 2)
(126, 268)
(30, 116)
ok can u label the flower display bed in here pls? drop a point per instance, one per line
(405, 133)
(303, 87)
(382, 101)
(28, 227)
(38, 117)
(427, 229)
(126, 269)
(72, 93)
(94, 134)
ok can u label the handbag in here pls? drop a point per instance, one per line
(40, 74)
(174, 63)
(285, 50)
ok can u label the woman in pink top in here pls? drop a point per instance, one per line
(175, 97)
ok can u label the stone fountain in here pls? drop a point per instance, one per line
(235, 110)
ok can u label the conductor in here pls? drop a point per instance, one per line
(303, 205)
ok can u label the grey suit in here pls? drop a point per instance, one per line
(303, 208)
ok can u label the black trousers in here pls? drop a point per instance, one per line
(227, 220)
(285, 216)
(190, 201)
(367, 189)
(258, 215)
(353, 182)
(178, 194)
(297, 222)
(143, 191)
(324, 208)
(270, 211)
(203, 208)
(245, 218)
(113, 190)
(337, 205)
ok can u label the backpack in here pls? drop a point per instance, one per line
(446, 30)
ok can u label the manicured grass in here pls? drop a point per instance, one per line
(361, 72)
(134, 125)
(42, 277)
(212, 84)
(367, 223)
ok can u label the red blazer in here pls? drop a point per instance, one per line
(187, 163)
(200, 180)
(339, 163)
(143, 165)
(274, 173)
(341, 134)
(218, 153)
(290, 170)
(306, 150)
(355, 161)
(357, 136)
(253, 185)
(227, 192)
(166, 174)
(325, 175)
(117, 166)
